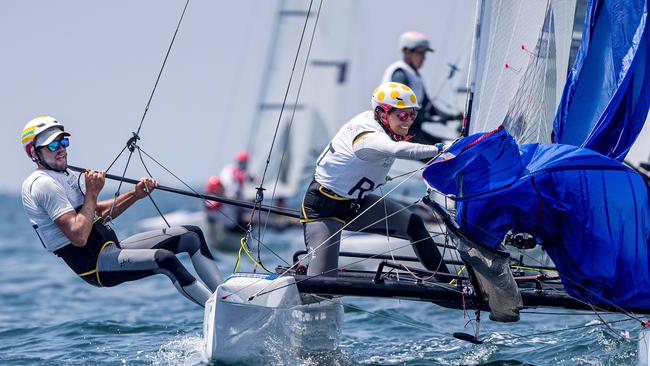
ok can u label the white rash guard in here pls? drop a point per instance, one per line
(360, 155)
(46, 196)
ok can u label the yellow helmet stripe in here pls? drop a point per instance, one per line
(28, 137)
(29, 130)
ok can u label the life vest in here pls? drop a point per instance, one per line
(415, 80)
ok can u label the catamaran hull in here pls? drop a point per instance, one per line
(277, 323)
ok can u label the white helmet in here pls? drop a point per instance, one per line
(394, 95)
(40, 131)
(412, 40)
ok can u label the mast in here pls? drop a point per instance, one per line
(470, 85)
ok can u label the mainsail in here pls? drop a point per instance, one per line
(590, 212)
(523, 56)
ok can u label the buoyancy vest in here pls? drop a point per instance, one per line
(415, 81)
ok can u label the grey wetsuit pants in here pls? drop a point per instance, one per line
(323, 236)
(154, 252)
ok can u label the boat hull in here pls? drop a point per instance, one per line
(277, 323)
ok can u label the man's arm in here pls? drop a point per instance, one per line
(127, 199)
(76, 226)
(375, 146)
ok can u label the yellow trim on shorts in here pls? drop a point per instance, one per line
(333, 196)
(87, 273)
(307, 219)
(97, 262)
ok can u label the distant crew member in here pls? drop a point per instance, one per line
(351, 167)
(214, 187)
(70, 222)
(233, 176)
(414, 47)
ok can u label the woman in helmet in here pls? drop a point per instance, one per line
(66, 216)
(352, 166)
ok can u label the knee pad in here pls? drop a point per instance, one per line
(203, 244)
(167, 261)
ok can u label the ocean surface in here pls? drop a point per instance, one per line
(48, 316)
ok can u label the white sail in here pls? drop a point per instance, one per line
(523, 59)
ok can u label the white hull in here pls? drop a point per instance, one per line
(276, 324)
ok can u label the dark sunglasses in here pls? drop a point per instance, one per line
(54, 145)
(405, 115)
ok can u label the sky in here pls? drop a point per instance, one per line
(92, 65)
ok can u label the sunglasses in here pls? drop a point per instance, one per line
(54, 145)
(405, 115)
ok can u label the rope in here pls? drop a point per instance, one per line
(260, 190)
(131, 142)
(293, 113)
(222, 213)
(244, 248)
(286, 94)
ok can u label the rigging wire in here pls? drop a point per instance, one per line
(331, 244)
(286, 94)
(131, 143)
(334, 234)
(293, 112)
(147, 189)
(260, 190)
(233, 221)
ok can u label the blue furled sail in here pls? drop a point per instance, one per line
(607, 93)
(591, 213)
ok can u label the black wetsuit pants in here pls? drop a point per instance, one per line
(323, 234)
(154, 252)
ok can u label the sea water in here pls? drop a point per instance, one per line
(48, 316)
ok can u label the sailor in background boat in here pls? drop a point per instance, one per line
(353, 165)
(213, 209)
(233, 176)
(70, 222)
(414, 47)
